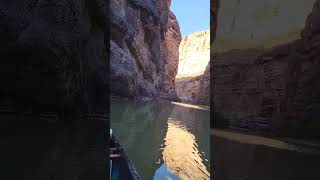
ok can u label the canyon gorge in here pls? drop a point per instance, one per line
(270, 84)
(58, 53)
(150, 59)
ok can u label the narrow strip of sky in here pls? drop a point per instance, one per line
(192, 15)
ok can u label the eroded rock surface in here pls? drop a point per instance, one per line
(53, 58)
(194, 54)
(54, 55)
(193, 78)
(145, 37)
(195, 89)
(277, 86)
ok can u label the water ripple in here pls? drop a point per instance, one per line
(162, 139)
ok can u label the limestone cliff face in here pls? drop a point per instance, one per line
(193, 78)
(54, 55)
(195, 89)
(278, 86)
(194, 54)
(204, 90)
(145, 37)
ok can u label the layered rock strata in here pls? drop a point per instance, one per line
(194, 89)
(277, 86)
(193, 78)
(145, 37)
(194, 54)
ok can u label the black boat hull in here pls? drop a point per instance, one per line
(121, 167)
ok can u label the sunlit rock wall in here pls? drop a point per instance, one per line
(259, 23)
(194, 54)
(192, 80)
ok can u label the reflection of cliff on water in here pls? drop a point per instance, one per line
(181, 153)
(186, 150)
(248, 157)
(196, 122)
(155, 133)
(140, 127)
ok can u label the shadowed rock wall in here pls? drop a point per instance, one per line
(277, 86)
(54, 55)
(145, 38)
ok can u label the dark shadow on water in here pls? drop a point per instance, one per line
(234, 160)
(136, 121)
(38, 149)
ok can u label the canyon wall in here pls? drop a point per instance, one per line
(273, 87)
(145, 38)
(193, 79)
(195, 89)
(215, 119)
(53, 58)
(54, 55)
(194, 54)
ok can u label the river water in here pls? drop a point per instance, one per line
(164, 139)
(240, 156)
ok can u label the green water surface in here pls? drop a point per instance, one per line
(163, 139)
